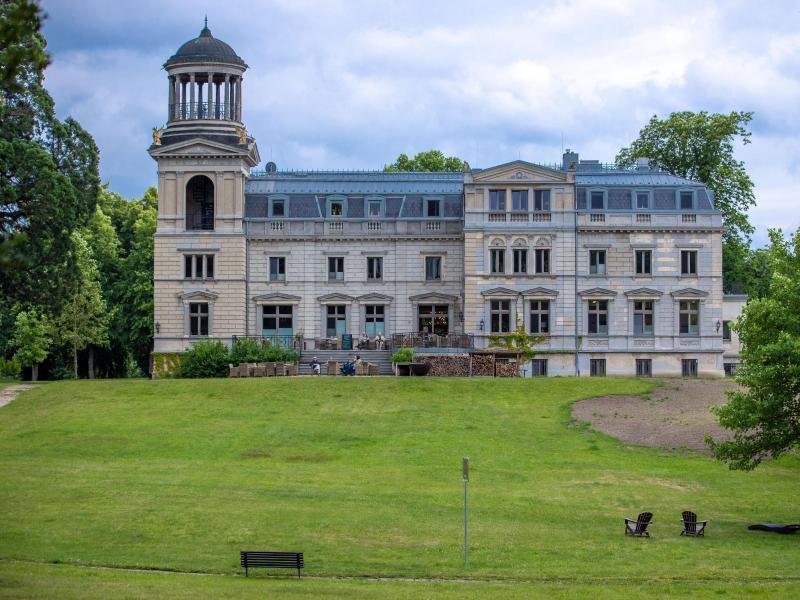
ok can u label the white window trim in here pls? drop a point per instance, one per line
(271, 199)
(635, 204)
(335, 198)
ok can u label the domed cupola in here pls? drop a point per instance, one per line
(205, 49)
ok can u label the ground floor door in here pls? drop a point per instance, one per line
(433, 318)
(375, 320)
(277, 324)
(336, 322)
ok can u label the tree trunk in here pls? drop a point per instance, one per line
(75, 360)
(35, 372)
(91, 362)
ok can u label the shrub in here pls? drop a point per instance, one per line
(9, 368)
(403, 355)
(205, 359)
(278, 354)
(245, 350)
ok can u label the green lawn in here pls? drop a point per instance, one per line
(363, 475)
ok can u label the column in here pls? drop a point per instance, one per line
(227, 96)
(218, 112)
(171, 96)
(183, 100)
(176, 97)
(210, 97)
(239, 98)
(192, 106)
(201, 111)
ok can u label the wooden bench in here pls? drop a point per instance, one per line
(271, 560)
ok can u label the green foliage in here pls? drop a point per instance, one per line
(31, 339)
(21, 50)
(765, 414)
(517, 341)
(428, 161)
(403, 355)
(208, 358)
(248, 350)
(745, 271)
(167, 364)
(9, 368)
(700, 147)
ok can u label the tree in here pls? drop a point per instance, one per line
(765, 414)
(31, 339)
(699, 147)
(84, 317)
(518, 340)
(429, 161)
(19, 50)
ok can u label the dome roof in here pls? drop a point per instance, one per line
(205, 49)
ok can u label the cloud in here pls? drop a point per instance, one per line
(352, 84)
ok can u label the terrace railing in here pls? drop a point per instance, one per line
(432, 340)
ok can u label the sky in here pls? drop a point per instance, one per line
(337, 84)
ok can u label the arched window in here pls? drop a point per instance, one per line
(200, 203)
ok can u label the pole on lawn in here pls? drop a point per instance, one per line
(465, 477)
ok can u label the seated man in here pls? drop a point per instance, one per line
(316, 367)
(363, 341)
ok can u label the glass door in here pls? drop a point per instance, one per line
(374, 320)
(277, 324)
(433, 318)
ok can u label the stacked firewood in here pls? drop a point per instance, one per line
(483, 365)
(446, 365)
(507, 369)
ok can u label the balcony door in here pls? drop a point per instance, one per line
(336, 322)
(433, 318)
(277, 323)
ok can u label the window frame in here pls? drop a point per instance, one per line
(431, 274)
(522, 254)
(369, 201)
(437, 201)
(679, 199)
(205, 261)
(649, 262)
(693, 257)
(589, 194)
(541, 200)
(538, 367)
(284, 202)
(497, 261)
(336, 272)
(199, 317)
(541, 261)
(726, 330)
(649, 204)
(494, 195)
(500, 308)
(375, 260)
(644, 367)
(539, 314)
(330, 201)
(598, 252)
(597, 367)
(644, 311)
(692, 309)
(276, 275)
(600, 309)
(374, 314)
(519, 195)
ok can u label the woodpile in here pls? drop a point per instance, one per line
(446, 365)
(479, 364)
(507, 369)
(483, 365)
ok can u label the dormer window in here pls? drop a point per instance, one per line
(433, 208)
(642, 199)
(277, 208)
(686, 200)
(597, 199)
(374, 209)
(337, 208)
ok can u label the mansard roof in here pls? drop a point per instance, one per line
(634, 178)
(354, 182)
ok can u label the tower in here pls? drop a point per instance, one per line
(204, 155)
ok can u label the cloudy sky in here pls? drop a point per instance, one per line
(338, 84)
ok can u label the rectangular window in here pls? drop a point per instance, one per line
(540, 317)
(336, 321)
(643, 317)
(374, 268)
(597, 262)
(498, 260)
(277, 268)
(597, 200)
(520, 260)
(276, 320)
(198, 266)
(433, 208)
(730, 369)
(374, 319)
(336, 268)
(433, 268)
(597, 367)
(501, 316)
(519, 200)
(644, 262)
(689, 367)
(278, 208)
(644, 367)
(688, 262)
(539, 367)
(198, 318)
(541, 200)
(497, 200)
(598, 317)
(687, 200)
(337, 209)
(689, 319)
(542, 256)
(726, 331)
(642, 200)
(374, 209)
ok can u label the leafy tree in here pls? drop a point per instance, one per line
(84, 317)
(19, 50)
(765, 414)
(429, 161)
(32, 340)
(518, 340)
(745, 271)
(208, 358)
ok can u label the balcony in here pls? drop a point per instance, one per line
(419, 340)
(263, 227)
(653, 220)
(513, 219)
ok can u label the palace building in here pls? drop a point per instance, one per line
(619, 270)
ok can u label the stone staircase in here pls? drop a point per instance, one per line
(382, 358)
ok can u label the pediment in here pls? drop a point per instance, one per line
(689, 293)
(198, 295)
(598, 292)
(433, 298)
(500, 291)
(204, 148)
(644, 292)
(276, 297)
(375, 298)
(540, 291)
(519, 171)
(335, 298)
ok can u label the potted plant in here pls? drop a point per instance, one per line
(401, 360)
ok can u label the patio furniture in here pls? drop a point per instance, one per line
(638, 528)
(333, 367)
(691, 526)
(233, 371)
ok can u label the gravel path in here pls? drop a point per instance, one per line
(675, 416)
(9, 393)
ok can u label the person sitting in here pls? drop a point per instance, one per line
(316, 367)
(380, 341)
(363, 341)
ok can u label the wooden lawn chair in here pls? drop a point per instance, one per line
(638, 528)
(691, 526)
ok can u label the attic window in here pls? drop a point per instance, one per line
(337, 209)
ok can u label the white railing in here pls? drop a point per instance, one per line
(497, 217)
(597, 218)
(642, 218)
(336, 227)
(519, 217)
(433, 225)
(689, 218)
(374, 226)
(276, 226)
(541, 217)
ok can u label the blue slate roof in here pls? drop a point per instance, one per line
(633, 178)
(354, 182)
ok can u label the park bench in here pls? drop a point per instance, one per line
(271, 560)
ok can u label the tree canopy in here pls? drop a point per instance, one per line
(765, 414)
(428, 161)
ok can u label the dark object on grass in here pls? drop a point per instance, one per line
(638, 527)
(348, 368)
(420, 369)
(775, 527)
(271, 560)
(691, 526)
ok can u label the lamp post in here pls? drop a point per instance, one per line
(465, 478)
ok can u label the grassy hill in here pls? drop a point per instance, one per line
(363, 475)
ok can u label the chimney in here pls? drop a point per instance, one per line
(569, 160)
(642, 164)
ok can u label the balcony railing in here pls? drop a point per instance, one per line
(199, 110)
(432, 340)
(275, 341)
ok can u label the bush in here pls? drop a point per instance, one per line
(403, 355)
(246, 350)
(277, 354)
(205, 359)
(9, 368)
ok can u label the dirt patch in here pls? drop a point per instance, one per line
(9, 393)
(675, 416)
